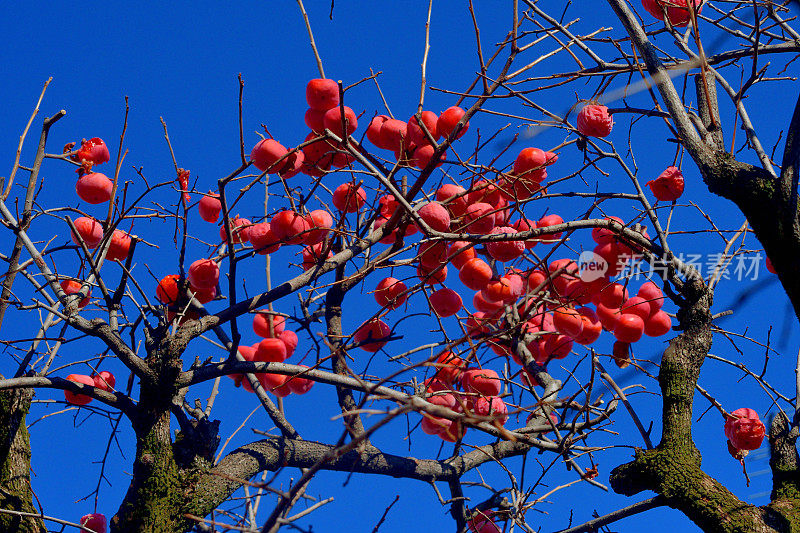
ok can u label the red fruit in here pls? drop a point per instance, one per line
(611, 254)
(448, 120)
(486, 192)
(445, 302)
(348, 197)
(119, 247)
(668, 186)
(491, 406)
(317, 156)
(240, 230)
(332, 119)
(298, 384)
(557, 346)
(390, 293)
(653, 295)
(423, 155)
(289, 339)
(482, 381)
(485, 304)
(605, 235)
(320, 222)
(594, 121)
(167, 290)
(394, 134)
(475, 274)
(577, 291)
(460, 252)
(78, 399)
(636, 306)
(94, 188)
(591, 327)
(263, 239)
(523, 224)
(322, 94)
(505, 250)
(94, 150)
(482, 523)
(677, 10)
(550, 220)
(529, 165)
(372, 335)
(535, 279)
(261, 324)
(449, 367)
(414, 130)
(435, 215)
(629, 328)
(374, 131)
(770, 268)
(431, 254)
(313, 254)
(479, 218)
(204, 295)
(435, 385)
(454, 197)
(105, 380)
(427, 275)
(209, 207)
(744, 429)
(568, 321)
(621, 351)
(95, 521)
(313, 119)
(608, 316)
(266, 153)
(272, 350)
(275, 383)
(613, 295)
(506, 289)
(203, 274)
(71, 286)
(248, 353)
(289, 226)
(657, 324)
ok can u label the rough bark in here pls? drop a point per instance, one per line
(15, 462)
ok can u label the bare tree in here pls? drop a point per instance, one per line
(496, 374)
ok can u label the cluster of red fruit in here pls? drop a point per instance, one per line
(276, 346)
(202, 279)
(677, 11)
(105, 380)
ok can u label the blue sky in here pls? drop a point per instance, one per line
(180, 61)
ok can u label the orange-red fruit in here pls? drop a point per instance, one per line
(523, 224)
(209, 207)
(605, 235)
(479, 218)
(629, 328)
(266, 153)
(372, 335)
(263, 239)
(261, 324)
(744, 429)
(568, 321)
(449, 367)
(320, 222)
(94, 150)
(289, 226)
(448, 120)
(435, 215)
(550, 220)
(668, 186)
(298, 384)
(608, 316)
(290, 339)
(594, 121)
(78, 399)
(677, 10)
(394, 134)
(348, 197)
(240, 230)
(423, 155)
(454, 197)
(313, 254)
(317, 156)
(71, 286)
(636, 305)
(204, 295)
(94, 521)
(482, 381)
(374, 131)
(460, 252)
(313, 119)
(483, 303)
(105, 380)
(475, 274)
(94, 188)
(272, 350)
(430, 275)
(414, 130)
(445, 302)
(657, 324)
(652, 293)
(613, 295)
(275, 383)
(119, 247)
(506, 289)
(592, 328)
(90, 231)
(203, 274)
(167, 290)
(390, 293)
(529, 165)
(492, 405)
(333, 120)
(505, 250)
(322, 94)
